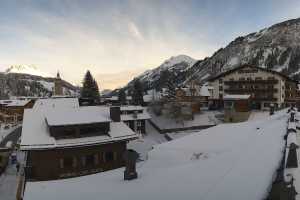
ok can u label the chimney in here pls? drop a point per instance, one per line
(130, 157)
(115, 113)
(292, 160)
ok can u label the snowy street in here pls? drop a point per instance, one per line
(8, 183)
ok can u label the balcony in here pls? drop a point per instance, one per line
(250, 90)
(270, 81)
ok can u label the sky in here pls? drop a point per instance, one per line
(118, 39)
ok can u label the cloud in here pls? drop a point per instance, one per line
(133, 29)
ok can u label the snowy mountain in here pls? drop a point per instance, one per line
(29, 81)
(276, 47)
(26, 69)
(176, 65)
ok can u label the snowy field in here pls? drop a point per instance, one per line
(205, 118)
(227, 161)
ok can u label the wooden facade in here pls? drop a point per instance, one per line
(61, 163)
(10, 114)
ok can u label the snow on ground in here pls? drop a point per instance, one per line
(5, 132)
(258, 115)
(146, 143)
(228, 161)
(202, 119)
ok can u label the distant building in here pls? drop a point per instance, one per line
(11, 111)
(236, 108)
(69, 142)
(135, 117)
(194, 95)
(263, 85)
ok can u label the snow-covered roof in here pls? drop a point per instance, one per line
(60, 117)
(35, 133)
(138, 116)
(12, 103)
(148, 98)
(236, 96)
(228, 161)
(131, 108)
(50, 103)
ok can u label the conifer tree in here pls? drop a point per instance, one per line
(122, 96)
(137, 96)
(90, 88)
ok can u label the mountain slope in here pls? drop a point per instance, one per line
(276, 48)
(176, 65)
(17, 81)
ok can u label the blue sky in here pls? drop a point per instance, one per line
(116, 39)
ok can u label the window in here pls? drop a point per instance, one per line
(266, 104)
(67, 162)
(220, 80)
(139, 126)
(228, 104)
(89, 160)
(108, 156)
(220, 88)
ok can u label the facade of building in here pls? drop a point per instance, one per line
(264, 86)
(69, 142)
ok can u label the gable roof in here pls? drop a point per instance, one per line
(252, 66)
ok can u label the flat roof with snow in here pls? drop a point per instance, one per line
(14, 103)
(61, 117)
(131, 108)
(236, 96)
(228, 161)
(50, 103)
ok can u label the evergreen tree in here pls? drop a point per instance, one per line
(137, 96)
(122, 96)
(90, 88)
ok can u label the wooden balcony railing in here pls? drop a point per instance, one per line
(271, 81)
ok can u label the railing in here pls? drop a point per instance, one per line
(251, 82)
(251, 90)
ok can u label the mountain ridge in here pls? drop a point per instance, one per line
(276, 47)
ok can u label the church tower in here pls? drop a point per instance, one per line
(58, 89)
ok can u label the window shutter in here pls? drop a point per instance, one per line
(74, 162)
(61, 163)
(83, 161)
(115, 156)
(96, 159)
(104, 158)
